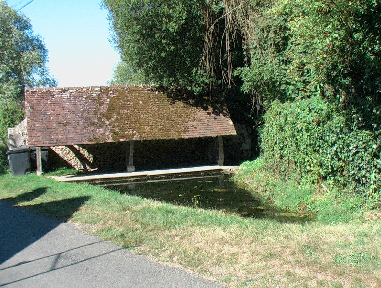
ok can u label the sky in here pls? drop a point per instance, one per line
(77, 35)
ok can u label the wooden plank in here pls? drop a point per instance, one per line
(144, 173)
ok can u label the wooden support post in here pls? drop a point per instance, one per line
(38, 161)
(221, 155)
(130, 164)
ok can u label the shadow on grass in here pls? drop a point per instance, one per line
(213, 192)
(28, 196)
(20, 227)
(62, 210)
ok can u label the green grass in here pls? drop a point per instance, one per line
(63, 171)
(220, 245)
(286, 190)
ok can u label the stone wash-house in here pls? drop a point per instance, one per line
(119, 128)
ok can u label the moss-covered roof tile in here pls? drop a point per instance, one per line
(86, 115)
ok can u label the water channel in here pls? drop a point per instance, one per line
(206, 190)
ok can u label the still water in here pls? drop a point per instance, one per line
(206, 190)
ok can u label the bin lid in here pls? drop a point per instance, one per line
(43, 148)
(18, 150)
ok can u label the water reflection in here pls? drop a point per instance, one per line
(202, 190)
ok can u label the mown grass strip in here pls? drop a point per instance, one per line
(226, 248)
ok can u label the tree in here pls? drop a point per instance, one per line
(23, 58)
(124, 74)
(23, 55)
(316, 65)
(300, 48)
(176, 42)
(163, 39)
(187, 45)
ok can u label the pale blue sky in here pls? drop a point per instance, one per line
(76, 33)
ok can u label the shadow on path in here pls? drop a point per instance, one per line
(57, 261)
(20, 228)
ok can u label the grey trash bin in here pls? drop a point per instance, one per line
(19, 161)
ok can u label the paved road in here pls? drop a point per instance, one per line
(37, 251)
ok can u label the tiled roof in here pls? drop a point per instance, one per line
(87, 115)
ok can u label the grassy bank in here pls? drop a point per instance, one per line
(288, 191)
(226, 248)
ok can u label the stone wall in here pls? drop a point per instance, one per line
(75, 157)
(17, 136)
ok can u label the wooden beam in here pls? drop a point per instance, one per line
(221, 156)
(130, 163)
(38, 161)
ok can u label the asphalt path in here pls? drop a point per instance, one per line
(38, 251)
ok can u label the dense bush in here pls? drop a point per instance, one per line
(11, 113)
(3, 159)
(312, 137)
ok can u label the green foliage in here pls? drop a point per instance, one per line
(304, 48)
(334, 51)
(177, 43)
(266, 75)
(124, 74)
(3, 159)
(22, 55)
(161, 39)
(315, 67)
(312, 137)
(11, 113)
